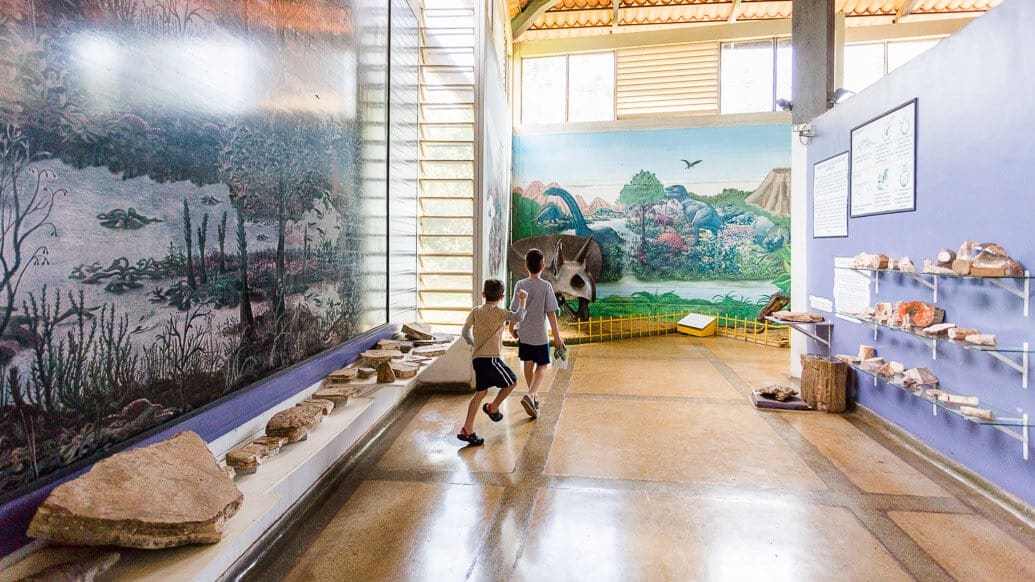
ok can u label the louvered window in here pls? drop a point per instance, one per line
(670, 80)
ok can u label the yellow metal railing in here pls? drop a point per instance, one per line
(634, 326)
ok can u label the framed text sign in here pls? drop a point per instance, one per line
(830, 197)
(883, 163)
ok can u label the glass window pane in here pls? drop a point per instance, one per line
(542, 89)
(747, 77)
(784, 69)
(900, 53)
(591, 87)
(864, 64)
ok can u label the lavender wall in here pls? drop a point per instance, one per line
(975, 126)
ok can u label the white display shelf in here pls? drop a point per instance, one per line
(1014, 423)
(1018, 286)
(803, 327)
(1021, 351)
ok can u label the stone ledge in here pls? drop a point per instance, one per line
(277, 485)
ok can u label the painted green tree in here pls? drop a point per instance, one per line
(641, 191)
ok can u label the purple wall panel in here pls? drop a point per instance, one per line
(975, 126)
(211, 423)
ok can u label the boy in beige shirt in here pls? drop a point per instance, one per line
(483, 331)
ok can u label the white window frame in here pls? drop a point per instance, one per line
(567, 86)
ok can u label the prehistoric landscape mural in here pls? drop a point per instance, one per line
(183, 201)
(684, 218)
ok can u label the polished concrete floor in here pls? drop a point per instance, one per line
(649, 463)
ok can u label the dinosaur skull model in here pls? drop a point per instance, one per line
(571, 278)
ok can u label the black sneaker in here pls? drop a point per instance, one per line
(495, 416)
(471, 439)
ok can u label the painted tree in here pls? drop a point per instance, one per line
(643, 190)
(26, 204)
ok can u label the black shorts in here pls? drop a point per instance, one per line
(537, 354)
(489, 372)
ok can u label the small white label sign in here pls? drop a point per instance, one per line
(821, 304)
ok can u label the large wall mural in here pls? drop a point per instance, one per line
(184, 208)
(684, 218)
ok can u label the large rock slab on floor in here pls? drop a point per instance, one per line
(168, 494)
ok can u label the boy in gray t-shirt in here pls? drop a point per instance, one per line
(533, 343)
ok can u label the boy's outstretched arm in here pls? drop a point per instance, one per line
(518, 315)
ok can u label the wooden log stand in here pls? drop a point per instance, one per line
(824, 383)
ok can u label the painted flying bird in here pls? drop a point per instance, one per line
(689, 165)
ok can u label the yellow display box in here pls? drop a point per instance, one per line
(697, 325)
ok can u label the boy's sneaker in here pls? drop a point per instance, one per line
(530, 406)
(471, 439)
(495, 416)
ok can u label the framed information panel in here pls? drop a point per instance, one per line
(830, 197)
(883, 163)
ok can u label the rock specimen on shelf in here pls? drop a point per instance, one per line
(868, 261)
(404, 370)
(294, 423)
(342, 376)
(380, 360)
(339, 395)
(919, 313)
(322, 404)
(891, 369)
(968, 250)
(871, 364)
(956, 399)
(933, 269)
(944, 259)
(938, 329)
(167, 494)
(83, 570)
(418, 330)
(429, 351)
(977, 413)
(246, 459)
(882, 313)
(961, 333)
(847, 359)
(962, 266)
(918, 377)
(798, 317)
(366, 372)
(420, 359)
(994, 261)
(405, 346)
(230, 471)
(981, 339)
(867, 352)
(905, 264)
(387, 344)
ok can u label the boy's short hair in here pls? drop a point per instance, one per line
(534, 260)
(493, 289)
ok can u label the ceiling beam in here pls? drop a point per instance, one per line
(905, 8)
(524, 19)
(734, 11)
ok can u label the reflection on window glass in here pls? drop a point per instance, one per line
(900, 53)
(783, 69)
(864, 64)
(591, 87)
(542, 89)
(747, 77)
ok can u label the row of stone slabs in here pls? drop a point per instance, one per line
(175, 492)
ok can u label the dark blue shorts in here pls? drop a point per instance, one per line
(537, 354)
(489, 372)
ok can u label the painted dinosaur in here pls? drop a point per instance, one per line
(610, 241)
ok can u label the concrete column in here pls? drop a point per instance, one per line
(812, 39)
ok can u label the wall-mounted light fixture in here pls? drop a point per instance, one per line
(784, 104)
(805, 133)
(839, 96)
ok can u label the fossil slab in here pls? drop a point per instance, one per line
(167, 494)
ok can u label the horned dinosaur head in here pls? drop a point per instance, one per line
(571, 277)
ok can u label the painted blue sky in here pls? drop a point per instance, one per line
(599, 164)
